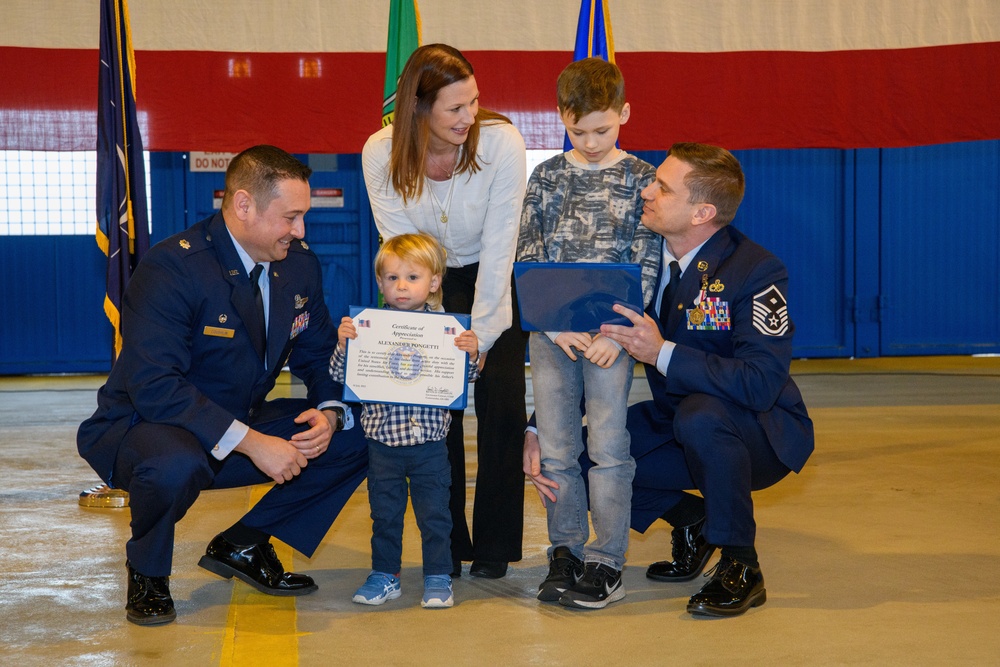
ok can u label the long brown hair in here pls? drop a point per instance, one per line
(429, 69)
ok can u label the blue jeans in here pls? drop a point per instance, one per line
(559, 384)
(429, 473)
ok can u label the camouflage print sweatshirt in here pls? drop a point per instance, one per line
(576, 213)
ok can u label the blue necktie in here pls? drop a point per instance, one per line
(670, 291)
(259, 300)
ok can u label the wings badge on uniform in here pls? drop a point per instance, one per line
(770, 312)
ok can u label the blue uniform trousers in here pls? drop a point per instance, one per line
(165, 468)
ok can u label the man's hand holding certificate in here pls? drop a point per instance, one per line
(412, 357)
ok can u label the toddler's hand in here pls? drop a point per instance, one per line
(467, 341)
(344, 331)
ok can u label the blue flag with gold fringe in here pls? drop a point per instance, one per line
(593, 38)
(122, 218)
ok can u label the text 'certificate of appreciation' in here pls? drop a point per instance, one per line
(403, 356)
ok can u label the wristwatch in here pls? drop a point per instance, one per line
(340, 416)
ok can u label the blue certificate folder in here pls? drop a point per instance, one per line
(404, 393)
(561, 296)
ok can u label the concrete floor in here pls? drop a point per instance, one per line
(880, 553)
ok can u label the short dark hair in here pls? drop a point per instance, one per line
(715, 178)
(258, 170)
(590, 85)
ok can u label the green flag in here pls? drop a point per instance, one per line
(404, 38)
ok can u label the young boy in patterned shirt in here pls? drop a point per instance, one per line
(407, 442)
(584, 206)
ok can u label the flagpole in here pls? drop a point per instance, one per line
(122, 216)
(403, 38)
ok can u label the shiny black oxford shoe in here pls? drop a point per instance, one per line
(149, 601)
(690, 551)
(257, 565)
(733, 588)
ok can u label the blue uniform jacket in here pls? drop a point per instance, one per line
(188, 359)
(746, 363)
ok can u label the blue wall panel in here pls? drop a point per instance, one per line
(53, 308)
(940, 249)
(796, 207)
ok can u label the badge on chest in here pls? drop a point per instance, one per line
(710, 313)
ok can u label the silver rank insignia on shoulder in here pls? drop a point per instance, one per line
(305, 246)
(300, 301)
(770, 312)
(184, 244)
(222, 318)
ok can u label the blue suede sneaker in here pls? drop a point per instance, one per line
(378, 588)
(437, 592)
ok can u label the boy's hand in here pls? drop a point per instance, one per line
(567, 340)
(344, 331)
(642, 340)
(468, 342)
(602, 351)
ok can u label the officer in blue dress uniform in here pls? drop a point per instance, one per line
(726, 418)
(209, 319)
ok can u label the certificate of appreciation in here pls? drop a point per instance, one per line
(403, 356)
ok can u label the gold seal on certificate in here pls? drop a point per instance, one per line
(409, 357)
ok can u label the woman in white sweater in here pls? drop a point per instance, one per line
(447, 167)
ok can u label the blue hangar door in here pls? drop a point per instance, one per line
(939, 288)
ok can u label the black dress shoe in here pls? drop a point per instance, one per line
(733, 588)
(456, 568)
(257, 565)
(488, 569)
(149, 601)
(691, 552)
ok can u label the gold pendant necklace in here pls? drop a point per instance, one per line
(444, 208)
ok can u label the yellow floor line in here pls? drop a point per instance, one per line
(261, 629)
